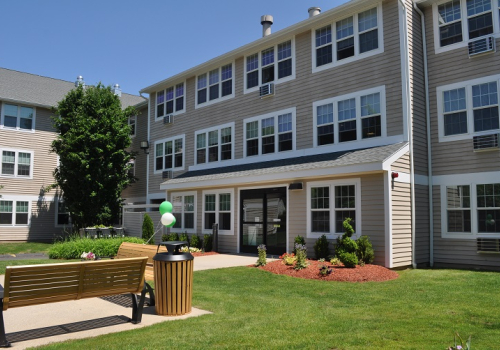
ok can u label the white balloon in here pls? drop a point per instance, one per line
(167, 219)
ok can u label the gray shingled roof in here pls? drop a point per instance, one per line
(319, 161)
(42, 91)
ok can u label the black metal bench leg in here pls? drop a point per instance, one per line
(150, 291)
(3, 339)
(137, 307)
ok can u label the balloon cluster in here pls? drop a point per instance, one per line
(167, 218)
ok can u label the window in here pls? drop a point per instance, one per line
(169, 154)
(330, 204)
(218, 208)
(131, 168)
(16, 164)
(358, 116)
(132, 124)
(184, 211)
(274, 64)
(214, 145)
(18, 117)
(355, 36)
(170, 101)
(62, 214)
(468, 108)
(471, 210)
(14, 213)
(215, 85)
(271, 133)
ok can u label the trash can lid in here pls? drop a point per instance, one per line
(172, 246)
(173, 257)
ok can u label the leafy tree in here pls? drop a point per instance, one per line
(93, 134)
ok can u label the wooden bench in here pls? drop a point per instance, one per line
(132, 250)
(47, 283)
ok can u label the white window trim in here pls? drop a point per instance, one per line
(357, 56)
(332, 235)
(155, 104)
(32, 130)
(134, 117)
(183, 137)
(468, 100)
(356, 95)
(14, 201)
(465, 30)
(219, 99)
(58, 200)
(276, 61)
(132, 163)
(206, 131)
(471, 180)
(217, 193)
(270, 156)
(183, 194)
(17, 151)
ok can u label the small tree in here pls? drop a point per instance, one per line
(321, 250)
(346, 247)
(148, 229)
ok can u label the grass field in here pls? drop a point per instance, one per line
(17, 248)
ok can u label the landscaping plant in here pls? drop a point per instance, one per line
(321, 250)
(262, 260)
(184, 237)
(461, 346)
(195, 241)
(298, 240)
(301, 262)
(288, 259)
(148, 229)
(324, 270)
(100, 247)
(346, 247)
(365, 251)
(207, 242)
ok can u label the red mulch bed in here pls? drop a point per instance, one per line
(365, 273)
(203, 254)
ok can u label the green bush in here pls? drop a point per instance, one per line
(195, 241)
(207, 242)
(348, 259)
(148, 229)
(365, 251)
(173, 236)
(184, 237)
(321, 249)
(298, 240)
(100, 247)
(346, 247)
(164, 237)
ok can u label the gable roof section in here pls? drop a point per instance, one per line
(42, 91)
(345, 162)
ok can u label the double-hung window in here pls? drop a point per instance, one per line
(184, 210)
(356, 36)
(271, 133)
(18, 117)
(62, 216)
(329, 204)
(468, 108)
(216, 85)
(16, 164)
(132, 123)
(170, 101)
(14, 213)
(274, 64)
(169, 154)
(352, 117)
(218, 208)
(215, 144)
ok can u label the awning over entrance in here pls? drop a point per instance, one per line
(346, 162)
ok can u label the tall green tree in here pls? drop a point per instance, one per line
(93, 134)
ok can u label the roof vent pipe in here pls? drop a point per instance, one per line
(117, 91)
(313, 11)
(79, 81)
(267, 22)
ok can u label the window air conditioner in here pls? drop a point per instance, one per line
(168, 119)
(485, 142)
(481, 45)
(488, 245)
(266, 90)
(167, 174)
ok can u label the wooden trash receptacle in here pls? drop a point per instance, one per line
(173, 276)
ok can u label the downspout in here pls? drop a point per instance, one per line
(429, 153)
(147, 156)
(409, 114)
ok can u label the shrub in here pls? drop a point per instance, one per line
(184, 237)
(207, 242)
(335, 262)
(173, 236)
(288, 259)
(262, 260)
(301, 262)
(148, 230)
(324, 271)
(321, 249)
(346, 247)
(348, 259)
(100, 247)
(164, 237)
(195, 241)
(298, 240)
(365, 251)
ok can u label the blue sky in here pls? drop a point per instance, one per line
(133, 43)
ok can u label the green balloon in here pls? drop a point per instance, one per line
(172, 224)
(165, 207)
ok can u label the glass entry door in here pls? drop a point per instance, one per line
(263, 220)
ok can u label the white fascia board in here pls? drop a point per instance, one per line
(386, 165)
(26, 103)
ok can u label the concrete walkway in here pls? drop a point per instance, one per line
(55, 322)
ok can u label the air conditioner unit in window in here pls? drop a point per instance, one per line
(488, 245)
(482, 45)
(485, 142)
(168, 119)
(167, 174)
(266, 90)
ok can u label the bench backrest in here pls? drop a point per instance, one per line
(130, 250)
(40, 284)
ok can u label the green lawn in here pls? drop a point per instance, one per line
(253, 309)
(31, 247)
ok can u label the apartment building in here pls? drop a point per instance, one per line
(298, 130)
(27, 212)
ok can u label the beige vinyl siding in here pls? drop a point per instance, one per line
(297, 220)
(402, 164)
(401, 224)
(300, 93)
(422, 228)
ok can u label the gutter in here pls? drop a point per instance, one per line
(429, 144)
